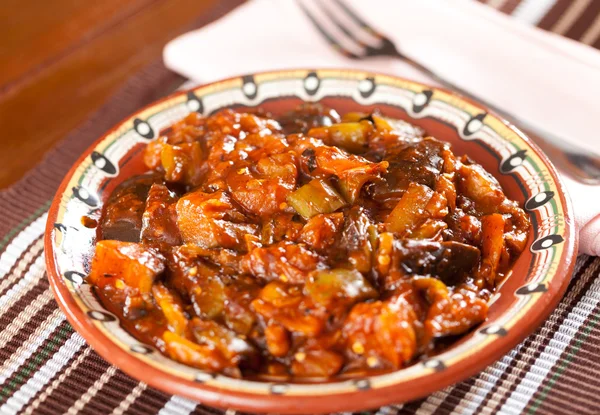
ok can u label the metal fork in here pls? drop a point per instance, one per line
(576, 161)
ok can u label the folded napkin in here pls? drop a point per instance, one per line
(550, 81)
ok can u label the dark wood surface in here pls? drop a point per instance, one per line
(62, 59)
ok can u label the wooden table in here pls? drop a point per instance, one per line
(62, 59)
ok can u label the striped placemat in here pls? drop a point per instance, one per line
(47, 368)
(575, 19)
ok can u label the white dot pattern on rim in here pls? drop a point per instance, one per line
(311, 82)
(193, 105)
(249, 88)
(365, 85)
(143, 128)
(100, 163)
(140, 348)
(420, 99)
(493, 329)
(98, 315)
(474, 125)
(203, 377)
(279, 388)
(432, 364)
(516, 161)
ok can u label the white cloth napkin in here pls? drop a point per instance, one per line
(550, 81)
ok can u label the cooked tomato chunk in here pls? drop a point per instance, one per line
(286, 262)
(159, 218)
(383, 330)
(135, 265)
(211, 220)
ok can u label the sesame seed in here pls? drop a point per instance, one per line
(358, 348)
(372, 361)
(300, 356)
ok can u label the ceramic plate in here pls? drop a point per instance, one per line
(538, 281)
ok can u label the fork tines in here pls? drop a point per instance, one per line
(345, 31)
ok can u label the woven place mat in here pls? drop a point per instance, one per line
(47, 368)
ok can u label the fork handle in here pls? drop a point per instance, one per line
(571, 159)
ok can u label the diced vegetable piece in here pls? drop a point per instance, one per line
(197, 280)
(283, 261)
(318, 196)
(352, 180)
(351, 136)
(492, 241)
(445, 186)
(182, 162)
(481, 187)
(392, 125)
(316, 364)
(437, 208)
(280, 226)
(449, 261)
(239, 315)
(281, 295)
(410, 210)
(233, 347)
(451, 164)
(308, 115)
(211, 220)
(327, 286)
(122, 218)
(287, 306)
(358, 238)
(280, 166)
(292, 319)
(152, 153)
(188, 130)
(430, 229)
(252, 241)
(134, 264)
(434, 289)
(354, 116)
(321, 230)
(208, 297)
(192, 354)
(464, 228)
(158, 221)
(351, 170)
(172, 308)
(516, 228)
(262, 189)
(278, 340)
(450, 313)
(382, 123)
(417, 162)
(383, 330)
